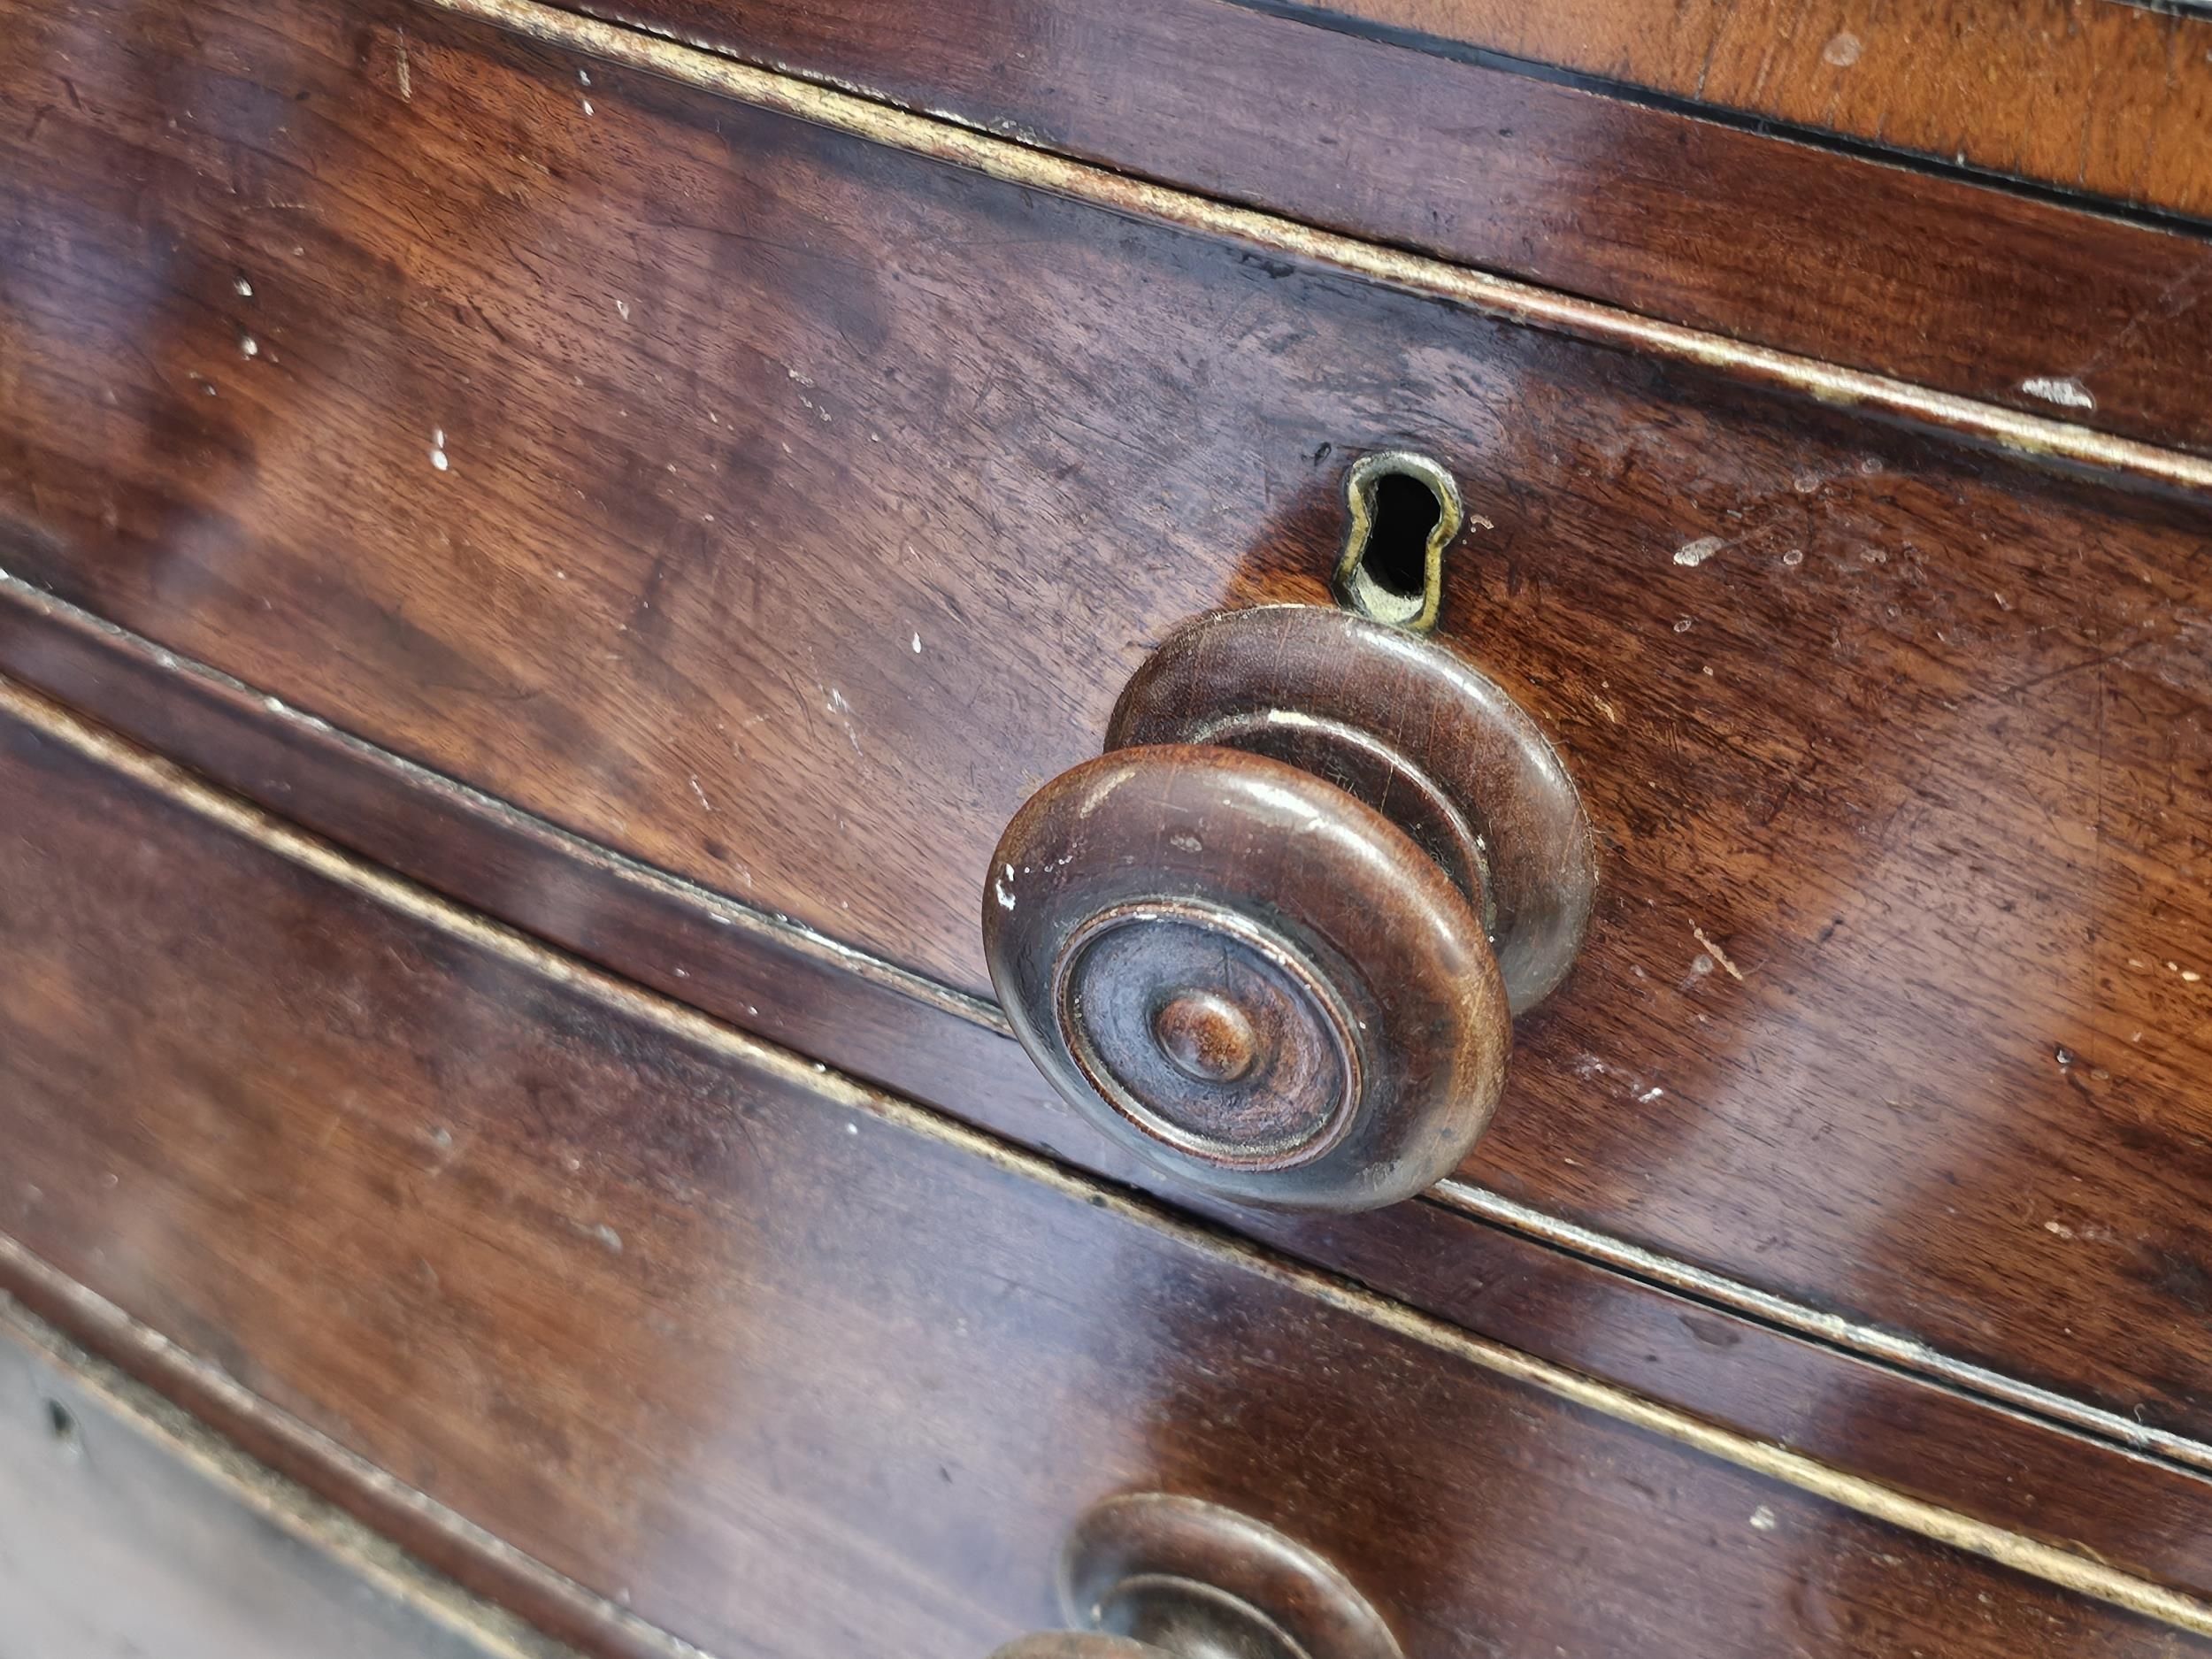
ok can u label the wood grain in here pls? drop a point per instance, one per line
(2111, 100)
(130, 1531)
(1920, 1437)
(1936, 280)
(776, 1362)
(1895, 1002)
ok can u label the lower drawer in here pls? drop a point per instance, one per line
(785, 1366)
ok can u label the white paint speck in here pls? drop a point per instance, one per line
(588, 109)
(1695, 553)
(1793, 557)
(623, 307)
(917, 645)
(852, 1129)
(1649, 1095)
(243, 288)
(2067, 392)
(1682, 625)
(1763, 1519)
(583, 77)
(1843, 50)
(247, 344)
(1003, 893)
(701, 794)
(437, 449)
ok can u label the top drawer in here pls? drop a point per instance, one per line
(783, 508)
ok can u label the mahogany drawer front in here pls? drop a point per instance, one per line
(2062, 311)
(781, 509)
(781, 1365)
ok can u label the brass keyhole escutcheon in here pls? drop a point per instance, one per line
(1403, 510)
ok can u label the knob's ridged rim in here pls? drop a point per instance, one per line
(1223, 674)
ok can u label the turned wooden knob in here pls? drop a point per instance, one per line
(1150, 1575)
(1273, 940)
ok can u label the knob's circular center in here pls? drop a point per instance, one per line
(1207, 1036)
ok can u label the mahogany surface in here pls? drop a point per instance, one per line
(1917, 1436)
(2028, 303)
(1894, 999)
(2112, 100)
(783, 1365)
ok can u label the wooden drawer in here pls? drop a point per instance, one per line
(780, 1365)
(778, 508)
(2052, 304)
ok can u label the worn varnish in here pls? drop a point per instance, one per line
(2110, 100)
(2032, 304)
(1917, 1436)
(1895, 1002)
(129, 1531)
(775, 1362)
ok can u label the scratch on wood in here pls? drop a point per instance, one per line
(1717, 953)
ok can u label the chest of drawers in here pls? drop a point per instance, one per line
(578, 546)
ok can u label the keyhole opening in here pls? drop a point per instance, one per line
(1404, 510)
